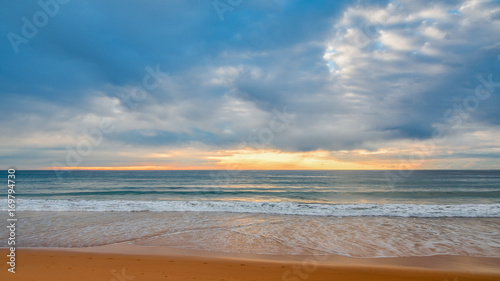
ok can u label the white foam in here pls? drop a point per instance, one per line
(285, 208)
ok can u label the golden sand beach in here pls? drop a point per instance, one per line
(127, 262)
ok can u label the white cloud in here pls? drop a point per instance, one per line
(404, 67)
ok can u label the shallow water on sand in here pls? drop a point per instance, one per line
(263, 233)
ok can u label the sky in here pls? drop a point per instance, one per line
(239, 84)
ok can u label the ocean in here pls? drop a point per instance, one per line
(351, 213)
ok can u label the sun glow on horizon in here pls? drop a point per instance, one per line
(128, 168)
(248, 159)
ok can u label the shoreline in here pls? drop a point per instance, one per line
(165, 263)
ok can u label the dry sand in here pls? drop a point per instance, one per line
(127, 262)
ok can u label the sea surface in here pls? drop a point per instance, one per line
(350, 213)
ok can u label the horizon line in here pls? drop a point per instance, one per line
(147, 168)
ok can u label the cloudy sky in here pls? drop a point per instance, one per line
(239, 84)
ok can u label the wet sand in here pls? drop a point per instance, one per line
(122, 262)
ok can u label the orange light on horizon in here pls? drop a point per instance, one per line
(248, 159)
(312, 160)
(128, 168)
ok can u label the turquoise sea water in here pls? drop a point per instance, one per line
(352, 213)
